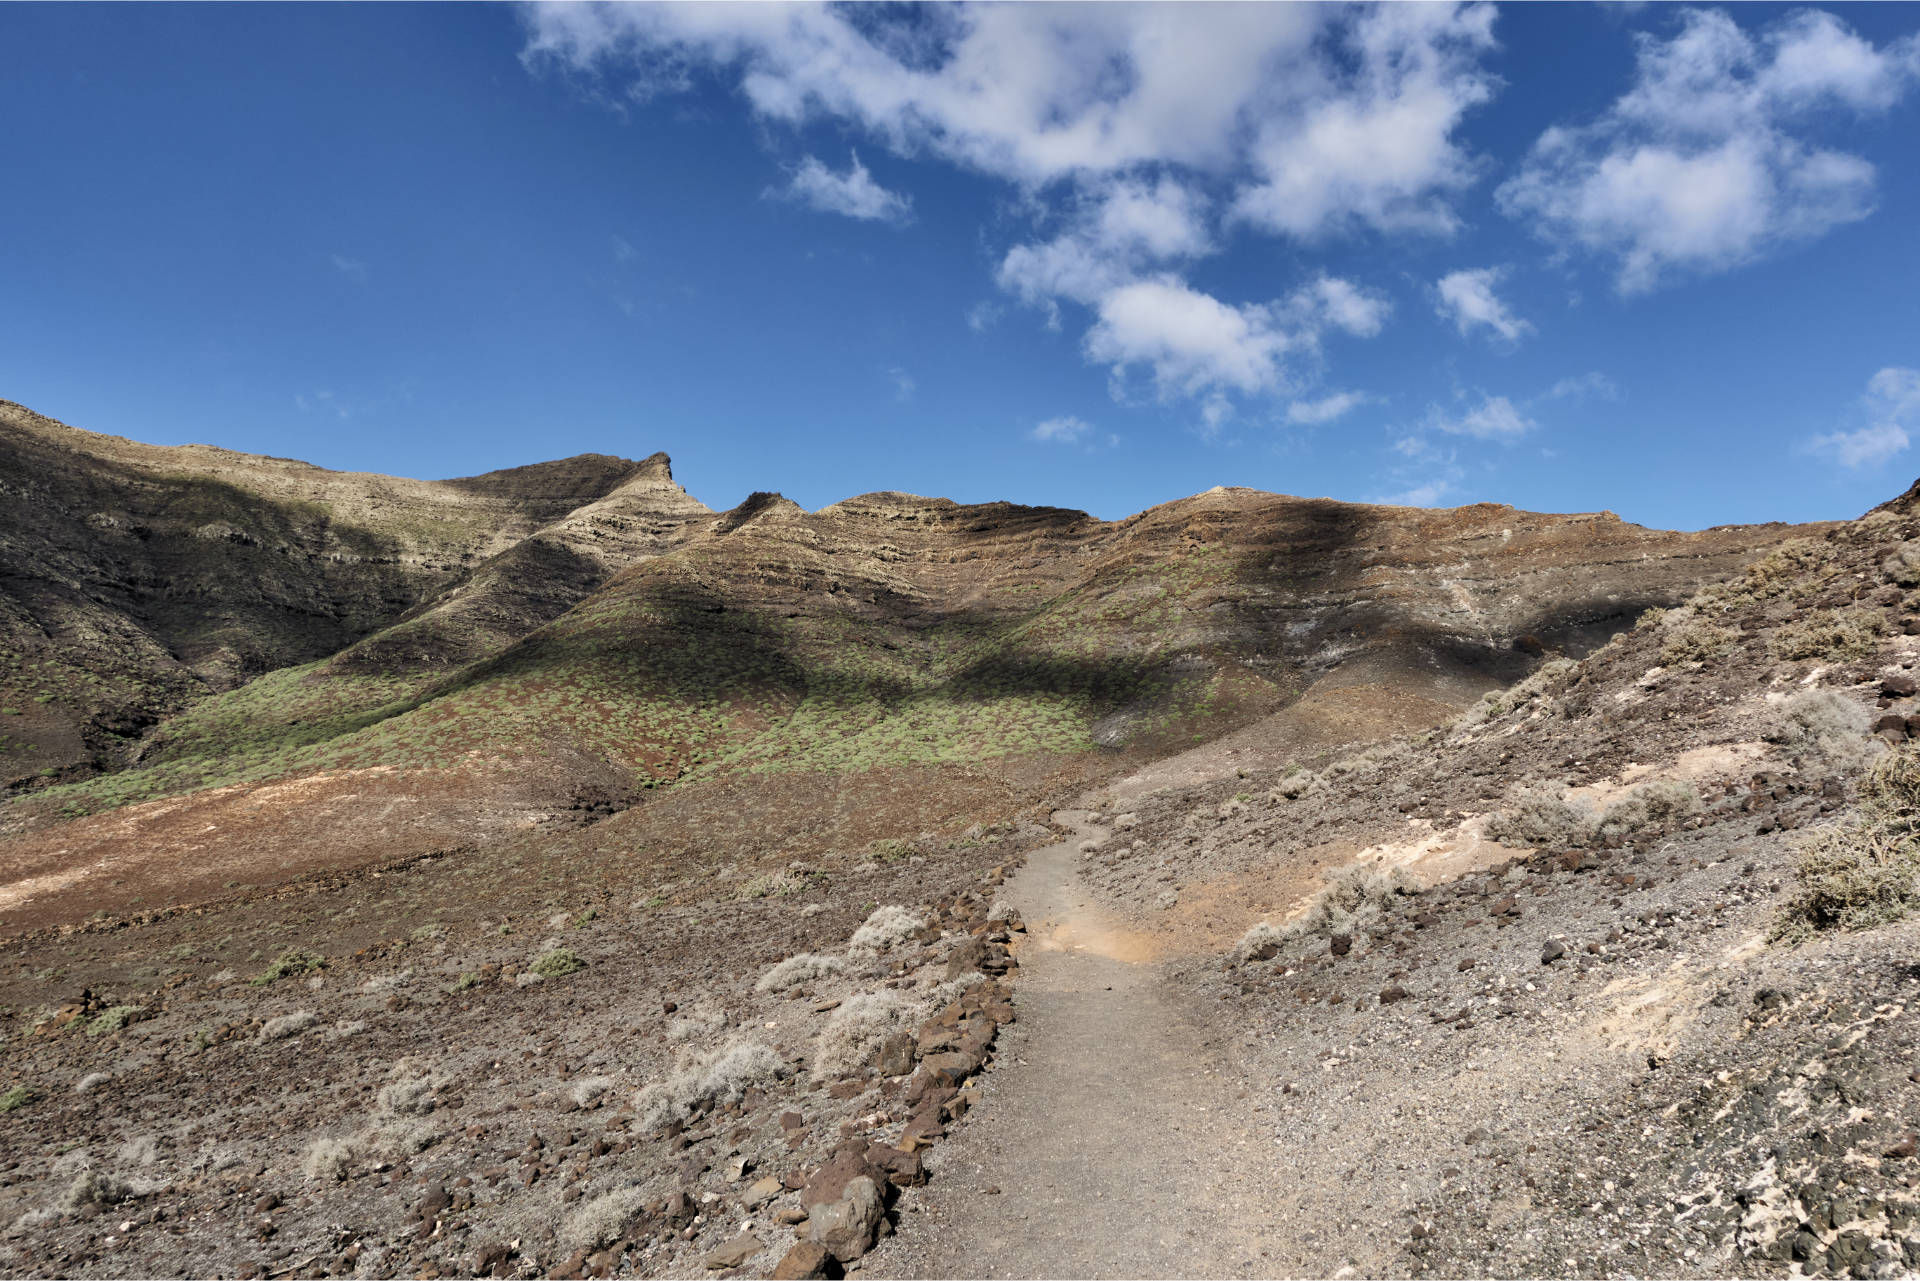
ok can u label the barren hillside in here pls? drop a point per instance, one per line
(583, 882)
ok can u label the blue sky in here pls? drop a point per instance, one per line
(1660, 260)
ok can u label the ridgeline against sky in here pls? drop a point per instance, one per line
(1654, 259)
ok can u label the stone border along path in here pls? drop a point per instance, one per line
(1114, 1138)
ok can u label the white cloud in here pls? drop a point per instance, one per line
(352, 268)
(1330, 300)
(1194, 343)
(982, 316)
(903, 384)
(1065, 430)
(1494, 418)
(623, 251)
(1581, 386)
(1129, 130)
(1467, 299)
(1118, 229)
(1311, 413)
(1427, 474)
(853, 193)
(1366, 137)
(1893, 404)
(1702, 165)
(1872, 444)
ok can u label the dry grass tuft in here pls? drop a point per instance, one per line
(795, 970)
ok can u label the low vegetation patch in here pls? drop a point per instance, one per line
(1863, 871)
(1696, 641)
(111, 1019)
(557, 963)
(18, 1096)
(1836, 635)
(290, 963)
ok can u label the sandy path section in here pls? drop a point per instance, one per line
(1114, 1138)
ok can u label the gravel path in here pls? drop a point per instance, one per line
(1114, 1129)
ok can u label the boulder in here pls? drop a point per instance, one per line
(807, 1259)
(847, 1227)
(829, 1182)
(903, 1169)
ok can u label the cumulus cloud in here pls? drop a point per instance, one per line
(1467, 299)
(1367, 139)
(1311, 413)
(1064, 430)
(1341, 115)
(1116, 230)
(854, 193)
(1131, 132)
(1892, 404)
(1708, 162)
(1493, 418)
(1193, 343)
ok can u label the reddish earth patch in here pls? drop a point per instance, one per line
(187, 849)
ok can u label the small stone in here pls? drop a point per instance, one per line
(761, 1191)
(791, 1120)
(990, 1190)
(1900, 685)
(1389, 995)
(1552, 952)
(788, 1215)
(1340, 944)
(733, 1253)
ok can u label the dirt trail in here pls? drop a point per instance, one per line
(1114, 1128)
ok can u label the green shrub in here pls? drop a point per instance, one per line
(1837, 634)
(111, 1020)
(557, 963)
(18, 1097)
(293, 961)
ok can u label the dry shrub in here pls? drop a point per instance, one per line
(1650, 806)
(855, 1030)
(406, 1098)
(1696, 641)
(602, 1220)
(1353, 897)
(1903, 566)
(887, 926)
(703, 1020)
(1823, 726)
(1541, 821)
(795, 970)
(1833, 634)
(1863, 871)
(95, 1188)
(586, 1090)
(1294, 786)
(287, 1025)
(705, 1081)
(329, 1159)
